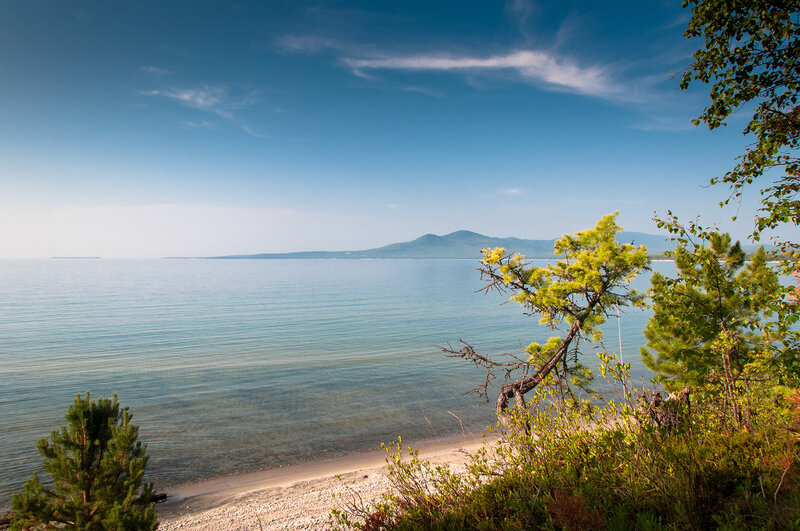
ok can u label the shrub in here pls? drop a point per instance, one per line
(574, 465)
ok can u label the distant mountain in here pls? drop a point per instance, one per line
(459, 244)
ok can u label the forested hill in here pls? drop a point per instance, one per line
(460, 244)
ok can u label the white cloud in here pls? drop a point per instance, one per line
(519, 12)
(422, 90)
(543, 67)
(202, 124)
(252, 132)
(519, 9)
(532, 65)
(207, 98)
(308, 43)
(214, 99)
(511, 191)
(155, 70)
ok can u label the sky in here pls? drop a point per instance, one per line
(156, 128)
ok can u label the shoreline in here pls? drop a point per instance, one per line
(297, 496)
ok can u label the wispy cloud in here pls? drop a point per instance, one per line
(422, 90)
(511, 191)
(308, 43)
(205, 98)
(519, 9)
(252, 132)
(543, 61)
(215, 99)
(201, 124)
(544, 67)
(535, 66)
(155, 70)
(519, 13)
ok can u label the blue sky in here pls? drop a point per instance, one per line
(144, 129)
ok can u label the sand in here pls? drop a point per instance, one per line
(293, 497)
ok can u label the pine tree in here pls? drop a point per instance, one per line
(580, 290)
(717, 295)
(716, 326)
(97, 467)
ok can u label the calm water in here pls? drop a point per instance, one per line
(231, 366)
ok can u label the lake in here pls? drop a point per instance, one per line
(238, 365)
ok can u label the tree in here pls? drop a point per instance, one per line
(715, 326)
(579, 290)
(751, 56)
(97, 468)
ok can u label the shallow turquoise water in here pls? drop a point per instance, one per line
(230, 366)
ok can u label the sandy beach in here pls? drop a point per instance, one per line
(293, 497)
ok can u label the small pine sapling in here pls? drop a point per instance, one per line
(97, 468)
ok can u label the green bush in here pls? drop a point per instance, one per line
(572, 465)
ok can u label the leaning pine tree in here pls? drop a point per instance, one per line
(97, 467)
(590, 281)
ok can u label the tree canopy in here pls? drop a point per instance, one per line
(580, 290)
(750, 55)
(710, 323)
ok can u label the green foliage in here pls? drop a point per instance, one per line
(722, 454)
(717, 305)
(721, 326)
(590, 280)
(611, 467)
(751, 57)
(97, 468)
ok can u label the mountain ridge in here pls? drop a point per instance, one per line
(459, 244)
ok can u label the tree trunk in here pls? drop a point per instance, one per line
(518, 388)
